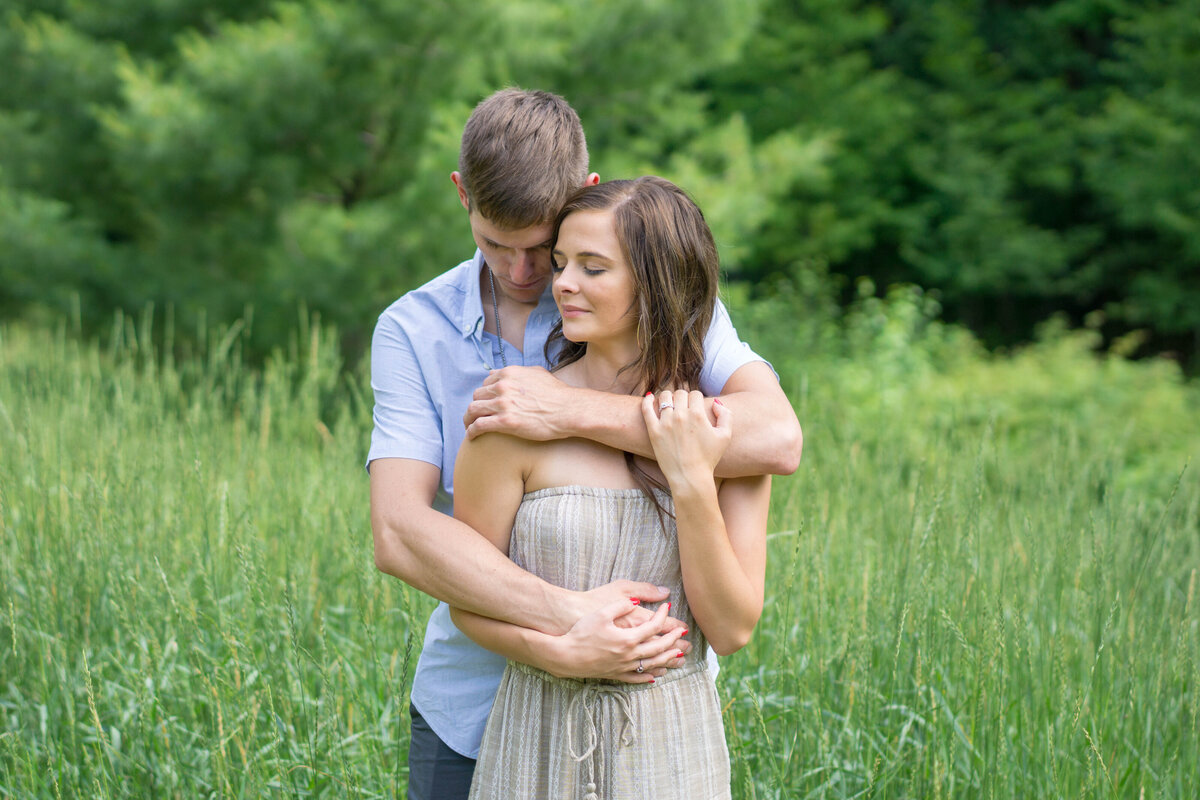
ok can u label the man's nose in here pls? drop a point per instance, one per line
(523, 266)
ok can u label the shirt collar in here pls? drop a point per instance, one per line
(472, 311)
(471, 323)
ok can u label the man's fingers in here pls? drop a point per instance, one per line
(481, 425)
(671, 624)
(477, 409)
(646, 592)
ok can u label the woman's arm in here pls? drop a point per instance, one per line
(723, 553)
(722, 532)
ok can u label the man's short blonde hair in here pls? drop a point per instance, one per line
(523, 154)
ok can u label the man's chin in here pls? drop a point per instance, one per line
(530, 295)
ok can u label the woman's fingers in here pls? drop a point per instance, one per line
(665, 405)
(670, 656)
(723, 415)
(649, 410)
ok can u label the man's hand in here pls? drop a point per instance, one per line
(527, 402)
(599, 647)
(579, 604)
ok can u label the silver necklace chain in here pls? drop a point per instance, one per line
(496, 315)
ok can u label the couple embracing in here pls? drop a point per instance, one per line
(592, 530)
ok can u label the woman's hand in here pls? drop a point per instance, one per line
(617, 640)
(687, 445)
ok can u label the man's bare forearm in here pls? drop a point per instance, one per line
(530, 403)
(511, 641)
(766, 438)
(448, 560)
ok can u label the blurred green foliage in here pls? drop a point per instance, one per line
(1014, 160)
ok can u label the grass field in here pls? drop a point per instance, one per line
(982, 580)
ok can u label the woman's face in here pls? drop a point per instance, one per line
(593, 286)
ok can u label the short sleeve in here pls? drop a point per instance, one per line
(724, 353)
(407, 421)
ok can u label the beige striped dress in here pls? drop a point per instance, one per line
(550, 737)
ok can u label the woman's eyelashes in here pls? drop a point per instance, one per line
(558, 264)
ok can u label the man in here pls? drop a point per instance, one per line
(468, 348)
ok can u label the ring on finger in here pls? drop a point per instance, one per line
(640, 668)
(665, 404)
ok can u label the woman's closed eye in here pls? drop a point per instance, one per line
(558, 262)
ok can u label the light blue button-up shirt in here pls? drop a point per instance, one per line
(429, 354)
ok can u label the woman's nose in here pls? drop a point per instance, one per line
(564, 282)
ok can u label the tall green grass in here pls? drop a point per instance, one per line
(189, 600)
(982, 580)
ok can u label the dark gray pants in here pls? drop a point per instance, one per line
(435, 772)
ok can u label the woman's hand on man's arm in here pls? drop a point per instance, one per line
(530, 403)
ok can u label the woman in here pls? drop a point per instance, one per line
(635, 279)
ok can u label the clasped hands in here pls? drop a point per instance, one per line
(616, 638)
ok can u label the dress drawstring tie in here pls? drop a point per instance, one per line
(584, 701)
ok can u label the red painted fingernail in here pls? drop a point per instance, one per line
(668, 605)
(679, 654)
(634, 600)
(648, 394)
(652, 680)
(684, 632)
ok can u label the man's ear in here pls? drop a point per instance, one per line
(462, 190)
(592, 179)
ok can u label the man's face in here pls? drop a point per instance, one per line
(519, 260)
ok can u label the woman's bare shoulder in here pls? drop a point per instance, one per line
(498, 451)
(568, 462)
